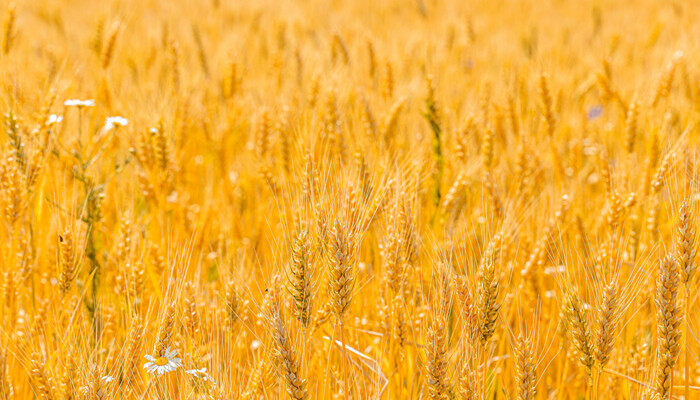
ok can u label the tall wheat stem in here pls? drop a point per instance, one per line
(686, 366)
(346, 387)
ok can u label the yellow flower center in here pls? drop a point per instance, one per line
(160, 361)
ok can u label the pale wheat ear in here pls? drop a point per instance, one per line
(285, 355)
(190, 312)
(436, 368)
(578, 325)
(67, 261)
(607, 324)
(165, 331)
(685, 257)
(525, 369)
(659, 176)
(685, 244)
(300, 277)
(109, 45)
(631, 126)
(40, 380)
(487, 294)
(487, 143)
(665, 80)
(341, 271)
(132, 354)
(668, 326)
(388, 81)
(8, 28)
(390, 122)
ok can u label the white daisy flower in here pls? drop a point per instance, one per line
(79, 103)
(167, 363)
(112, 122)
(200, 373)
(54, 119)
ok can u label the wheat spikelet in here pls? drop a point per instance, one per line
(232, 80)
(232, 304)
(108, 48)
(663, 86)
(132, 353)
(8, 28)
(190, 313)
(659, 176)
(493, 195)
(340, 268)
(542, 247)
(400, 324)
(389, 126)
(461, 147)
(67, 257)
(262, 136)
(40, 379)
(668, 324)
(6, 391)
(165, 331)
(369, 124)
(468, 384)
(284, 133)
(11, 184)
(513, 116)
(300, 277)
(522, 171)
(487, 148)
(96, 41)
(371, 61)
(285, 356)
(436, 366)
(340, 48)
(388, 82)
(487, 295)
(607, 324)
(546, 104)
(631, 126)
(525, 374)
(201, 52)
(467, 308)
(124, 245)
(578, 326)
(685, 244)
(157, 258)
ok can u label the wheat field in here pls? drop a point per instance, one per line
(399, 199)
